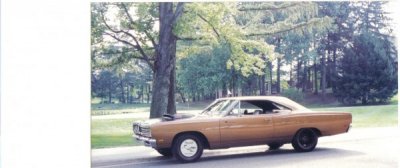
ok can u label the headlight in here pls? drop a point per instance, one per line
(136, 128)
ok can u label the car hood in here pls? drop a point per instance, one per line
(178, 116)
(169, 117)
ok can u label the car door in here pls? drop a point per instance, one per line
(237, 129)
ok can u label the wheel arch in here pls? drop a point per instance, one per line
(196, 133)
(316, 130)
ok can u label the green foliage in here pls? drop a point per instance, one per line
(294, 94)
(280, 18)
(233, 42)
(121, 83)
(214, 24)
(203, 72)
(367, 72)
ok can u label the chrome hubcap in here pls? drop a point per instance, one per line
(188, 147)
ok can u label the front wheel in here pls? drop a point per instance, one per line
(305, 140)
(188, 148)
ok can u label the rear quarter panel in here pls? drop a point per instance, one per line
(327, 123)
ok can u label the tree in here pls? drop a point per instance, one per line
(163, 99)
(104, 85)
(137, 39)
(277, 21)
(204, 73)
(367, 72)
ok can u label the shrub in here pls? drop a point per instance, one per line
(367, 72)
(294, 94)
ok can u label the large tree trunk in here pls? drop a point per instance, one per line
(315, 77)
(309, 82)
(323, 75)
(121, 85)
(315, 72)
(224, 89)
(270, 78)
(334, 75)
(262, 78)
(328, 69)
(127, 93)
(278, 76)
(278, 70)
(304, 81)
(298, 68)
(109, 95)
(164, 65)
(291, 75)
(182, 96)
(148, 94)
(262, 85)
(171, 109)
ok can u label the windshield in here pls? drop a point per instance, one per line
(219, 107)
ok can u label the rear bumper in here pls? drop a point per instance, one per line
(348, 128)
(150, 142)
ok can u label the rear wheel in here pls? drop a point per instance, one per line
(187, 148)
(165, 152)
(275, 146)
(305, 140)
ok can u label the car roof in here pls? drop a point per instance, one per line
(277, 99)
(253, 98)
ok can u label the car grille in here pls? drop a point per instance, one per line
(141, 130)
(144, 130)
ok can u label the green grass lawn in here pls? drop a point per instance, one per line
(107, 109)
(118, 132)
(112, 133)
(369, 116)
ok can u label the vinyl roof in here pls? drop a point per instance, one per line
(277, 99)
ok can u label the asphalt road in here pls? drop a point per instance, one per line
(363, 147)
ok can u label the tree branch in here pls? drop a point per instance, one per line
(301, 25)
(123, 52)
(108, 26)
(204, 19)
(269, 8)
(178, 12)
(132, 22)
(131, 56)
(120, 40)
(141, 51)
(189, 38)
(137, 46)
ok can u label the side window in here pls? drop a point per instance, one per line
(235, 111)
(248, 108)
(280, 107)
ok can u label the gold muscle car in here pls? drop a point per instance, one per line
(240, 121)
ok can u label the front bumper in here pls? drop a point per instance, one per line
(150, 142)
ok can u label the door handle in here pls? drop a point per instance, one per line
(267, 120)
(229, 122)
